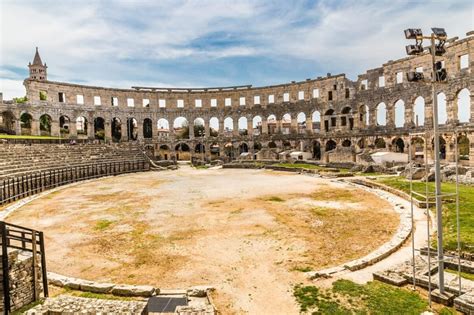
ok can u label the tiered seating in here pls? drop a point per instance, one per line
(17, 160)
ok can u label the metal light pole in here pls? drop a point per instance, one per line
(439, 210)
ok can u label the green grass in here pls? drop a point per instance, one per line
(300, 165)
(201, 167)
(103, 224)
(25, 137)
(347, 297)
(275, 199)
(27, 307)
(464, 275)
(466, 210)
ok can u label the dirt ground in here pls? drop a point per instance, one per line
(249, 233)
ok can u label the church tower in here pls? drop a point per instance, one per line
(37, 69)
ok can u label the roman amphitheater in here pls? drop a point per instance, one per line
(230, 199)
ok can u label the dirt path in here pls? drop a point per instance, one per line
(249, 233)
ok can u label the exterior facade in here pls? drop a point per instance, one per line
(332, 117)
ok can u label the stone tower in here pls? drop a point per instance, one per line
(37, 68)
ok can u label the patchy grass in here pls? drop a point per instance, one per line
(466, 210)
(464, 275)
(347, 297)
(275, 199)
(25, 137)
(102, 224)
(302, 268)
(343, 195)
(201, 167)
(27, 307)
(300, 165)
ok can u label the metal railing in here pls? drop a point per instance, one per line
(18, 237)
(12, 189)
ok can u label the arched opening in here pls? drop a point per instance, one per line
(442, 111)
(228, 126)
(200, 148)
(257, 125)
(164, 152)
(99, 128)
(346, 117)
(316, 150)
(399, 114)
(364, 116)
(361, 143)
(81, 126)
(330, 145)
(214, 127)
(147, 128)
(272, 124)
(181, 128)
(463, 147)
(132, 129)
(286, 124)
(257, 146)
(464, 106)
(286, 145)
(418, 149)
(7, 123)
(199, 128)
(215, 150)
(182, 152)
(45, 125)
(381, 114)
(229, 150)
(25, 123)
(419, 111)
(329, 120)
(316, 119)
(272, 145)
(243, 127)
(243, 148)
(399, 145)
(301, 120)
(380, 143)
(346, 143)
(64, 123)
(162, 128)
(116, 129)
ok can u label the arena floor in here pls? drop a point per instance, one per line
(249, 233)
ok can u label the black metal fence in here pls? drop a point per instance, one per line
(18, 237)
(12, 189)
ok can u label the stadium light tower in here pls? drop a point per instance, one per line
(438, 38)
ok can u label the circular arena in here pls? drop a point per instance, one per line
(250, 234)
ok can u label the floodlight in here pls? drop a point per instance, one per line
(415, 76)
(414, 49)
(441, 74)
(413, 33)
(439, 50)
(439, 32)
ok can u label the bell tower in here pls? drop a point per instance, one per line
(37, 68)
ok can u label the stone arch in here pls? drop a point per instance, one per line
(116, 129)
(398, 145)
(214, 126)
(7, 122)
(316, 119)
(272, 145)
(329, 119)
(442, 110)
(257, 146)
(81, 125)
(243, 148)
(228, 126)
(257, 125)
(164, 152)
(381, 114)
(330, 145)
(132, 129)
(163, 124)
(417, 147)
(419, 111)
(364, 115)
(181, 127)
(199, 127)
(26, 121)
(182, 151)
(199, 148)
(316, 150)
(45, 122)
(99, 128)
(464, 105)
(285, 124)
(243, 126)
(272, 124)
(380, 143)
(399, 109)
(346, 143)
(215, 150)
(147, 128)
(64, 125)
(463, 147)
(362, 143)
(346, 117)
(301, 120)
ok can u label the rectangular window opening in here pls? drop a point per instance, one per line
(97, 100)
(146, 102)
(130, 102)
(114, 101)
(80, 99)
(213, 102)
(61, 97)
(162, 103)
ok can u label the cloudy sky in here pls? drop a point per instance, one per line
(210, 43)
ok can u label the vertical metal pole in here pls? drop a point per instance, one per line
(410, 163)
(427, 205)
(458, 232)
(5, 268)
(439, 212)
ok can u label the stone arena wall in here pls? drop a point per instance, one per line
(285, 117)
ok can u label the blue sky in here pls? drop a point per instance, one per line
(210, 43)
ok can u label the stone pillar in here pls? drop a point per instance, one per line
(18, 126)
(428, 113)
(207, 130)
(90, 129)
(409, 117)
(55, 130)
(235, 130)
(391, 117)
(140, 135)
(452, 110)
(249, 127)
(471, 148)
(309, 124)
(35, 128)
(472, 105)
(108, 131)
(72, 130)
(191, 129)
(450, 145)
(264, 126)
(294, 125)
(124, 130)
